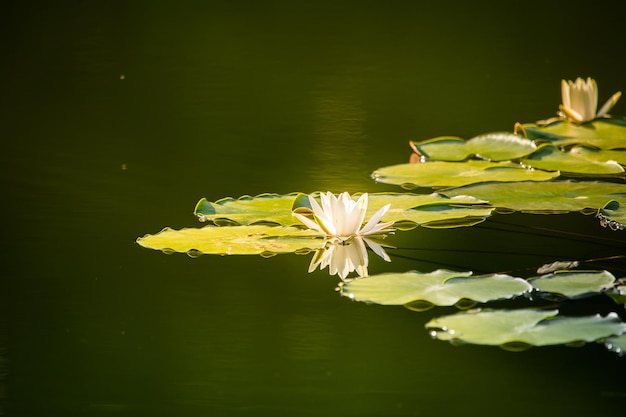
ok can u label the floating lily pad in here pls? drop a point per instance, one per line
(454, 174)
(526, 326)
(613, 215)
(235, 240)
(267, 208)
(492, 146)
(549, 158)
(429, 210)
(600, 155)
(545, 197)
(440, 287)
(601, 133)
(574, 284)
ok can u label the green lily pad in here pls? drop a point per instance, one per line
(428, 210)
(599, 155)
(440, 287)
(574, 284)
(545, 197)
(493, 146)
(235, 240)
(613, 215)
(526, 326)
(601, 133)
(548, 157)
(246, 210)
(454, 174)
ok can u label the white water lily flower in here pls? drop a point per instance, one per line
(342, 258)
(580, 101)
(342, 218)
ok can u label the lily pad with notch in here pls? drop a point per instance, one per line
(235, 240)
(573, 284)
(515, 329)
(441, 287)
(499, 146)
(439, 174)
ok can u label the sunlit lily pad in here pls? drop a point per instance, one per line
(440, 287)
(601, 133)
(574, 284)
(492, 146)
(547, 197)
(599, 155)
(549, 158)
(429, 210)
(267, 208)
(525, 326)
(454, 174)
(235, 240)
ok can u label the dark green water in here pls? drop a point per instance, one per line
(118, 116)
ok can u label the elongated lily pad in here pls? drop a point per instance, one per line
(549, 158)
(235, 240)
(601, 133)
(545, 197)
(493, 146)
(574, 284)
(453, 174)
(526, 326)
(440, 287)
(267, 208)
(429, 210)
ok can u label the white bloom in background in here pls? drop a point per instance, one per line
(342, 218)
(580, 101)
(342, 258)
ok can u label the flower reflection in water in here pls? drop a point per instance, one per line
(344, 257)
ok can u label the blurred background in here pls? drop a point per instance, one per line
(117, 117)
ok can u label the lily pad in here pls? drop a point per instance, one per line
(440, 287)
(599, 155)
(545, 197)
(493, 146)
(525, 326)
(574, 284)
(549, 158)
(613, 215)
(601, 133)
(429, 210)
(454, 174)
(235, 240)
(266, 208)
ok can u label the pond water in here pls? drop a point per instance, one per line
(117, 117)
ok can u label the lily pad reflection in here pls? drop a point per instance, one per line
(343, 258)
(529, 327)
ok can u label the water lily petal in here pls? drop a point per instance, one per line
(609, 104)
(373, 226)
(571, 114)
(309, 223)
